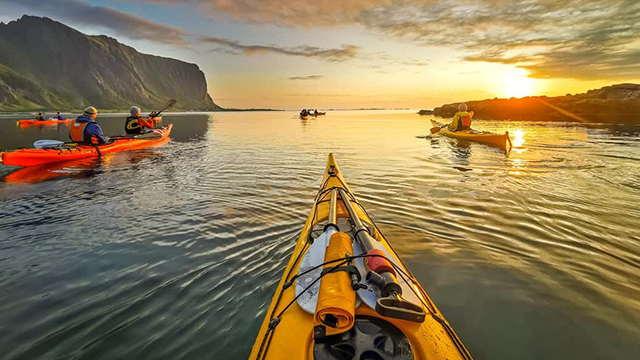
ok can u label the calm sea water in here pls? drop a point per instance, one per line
(174, 252)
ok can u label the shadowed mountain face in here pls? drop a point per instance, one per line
(619, 104)
(47, 65)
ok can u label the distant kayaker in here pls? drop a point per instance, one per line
(304, 112)
(40, 117)
(60, 117)
(315, 112)
(462, 119)
(135, 124)
(85, 130)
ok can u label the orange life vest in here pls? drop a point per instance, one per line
(77, 133)
(466, 121)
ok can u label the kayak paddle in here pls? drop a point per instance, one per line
(380, 272)
(169, 104)
(437, 129)
(47, 144)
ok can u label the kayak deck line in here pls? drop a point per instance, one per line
(290, 330)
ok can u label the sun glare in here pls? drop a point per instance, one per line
(518, 138)
(518, 87)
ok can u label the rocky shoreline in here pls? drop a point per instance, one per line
(616, 104)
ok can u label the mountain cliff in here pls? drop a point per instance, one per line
(46, 65)
(611, 104)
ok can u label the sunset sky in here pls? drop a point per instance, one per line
(371, 53)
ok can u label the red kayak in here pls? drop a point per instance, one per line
(73, 151)
(44, 122)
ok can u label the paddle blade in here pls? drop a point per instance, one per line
(435, 129)
(169, 104)
(40, 144)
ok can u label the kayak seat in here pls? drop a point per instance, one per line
(369, 338)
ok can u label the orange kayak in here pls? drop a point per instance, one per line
(80, 167)
(43, 122)
(73, 151)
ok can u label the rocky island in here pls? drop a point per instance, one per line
(616, 104)
(46, 65)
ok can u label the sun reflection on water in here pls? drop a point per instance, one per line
(518, 138)
(517, 164)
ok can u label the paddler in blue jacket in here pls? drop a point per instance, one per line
(60, 117)
(85, 130)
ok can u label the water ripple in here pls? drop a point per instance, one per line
(175, 252)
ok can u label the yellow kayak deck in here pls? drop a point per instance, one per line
(291, 334)
(488, 138)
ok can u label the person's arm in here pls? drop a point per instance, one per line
(96, 130)
(454, 122)
(144, 123)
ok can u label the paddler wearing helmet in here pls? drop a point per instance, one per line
(135, 124)
(85, 129)
(462, 119)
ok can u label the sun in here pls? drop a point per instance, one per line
(517, 86)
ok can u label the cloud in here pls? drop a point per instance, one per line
(413, 63)
(344, 53)
(74, 12)
(330, 95)
(225, 51)
(582, 39)
(308, 77)
(381, 61)
(297, 13)
(492, 57)
(586, 40)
